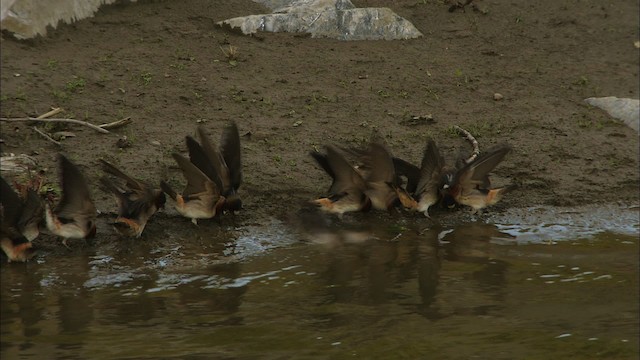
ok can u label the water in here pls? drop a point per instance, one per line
(396, 288)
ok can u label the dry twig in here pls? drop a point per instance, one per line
(472, 140)
(44, 135)
(49, 114)
(73, 121)
(117, 124)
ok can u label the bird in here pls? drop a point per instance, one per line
(471, 186)
(137, 200)
(19, 222)
(201, 197)
(227, 163)
(347, 191)
(424, 184)
(75, 215)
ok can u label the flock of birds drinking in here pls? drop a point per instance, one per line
(362, 179)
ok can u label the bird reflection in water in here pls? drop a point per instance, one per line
(366, 265)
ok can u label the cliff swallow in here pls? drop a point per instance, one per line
(201, 197)
(347, 191)
(424, 183)
(19, 221)
(75, 215)
(137, 201)
(227, 163)
(471, 185)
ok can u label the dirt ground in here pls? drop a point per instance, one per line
(167, 66)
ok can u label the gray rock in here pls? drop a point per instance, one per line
(29, 18)
(625, 110)
(338, 19)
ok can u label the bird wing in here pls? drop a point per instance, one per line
(197, 181)
(430, 169)
(11, 204)
(476, 173)
(380, 163)
(215, 159)
(322, 160)
(131, 182)
(32, 211)
(201, 160)
(345, 176)
(231, 152)
(76, 197)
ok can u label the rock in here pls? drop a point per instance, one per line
(29, 18)
(338, 19)
(498, 97)
(623, 109)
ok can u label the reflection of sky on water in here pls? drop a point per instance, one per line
(540, 224)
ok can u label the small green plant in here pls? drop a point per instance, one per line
(431, 92)
(383, 93)
(146, 77)
(50, 189)
(52, 64)
(131, 136)
(76, 85)
(179, 66)
(60, 95)
(583, 81)
(237, 95)
(585, 123)
(231, 53)
(451, 131)
(403, 94)
(483, 128)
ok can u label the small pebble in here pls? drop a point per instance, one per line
(156, 143)
(498, 97)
